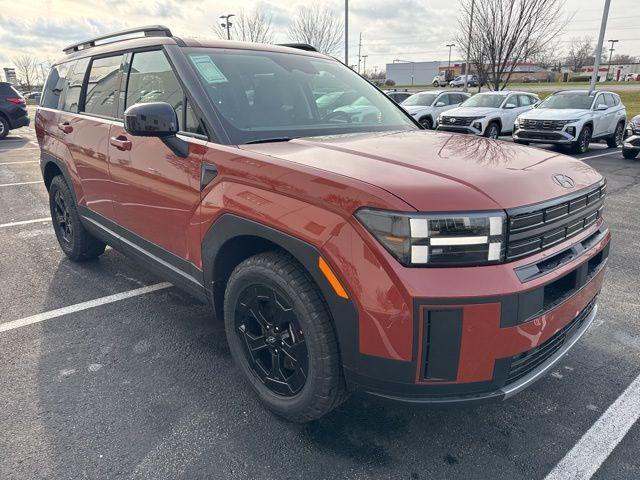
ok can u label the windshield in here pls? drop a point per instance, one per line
(420, 100)
(563, 101)
(484, 100)
(268, 95)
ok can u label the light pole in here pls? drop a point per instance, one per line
(364, 65)
(226, 23)
(603, 28)
(450, 45)
(346, 32)
(611, 50)
(466, 65)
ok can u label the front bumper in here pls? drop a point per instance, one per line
(632, 142)
(544, 136)
(469, 130)
(473, 349)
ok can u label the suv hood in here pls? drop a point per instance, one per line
(554, 114)
(470, 111)
(438, 171)
(416, 108)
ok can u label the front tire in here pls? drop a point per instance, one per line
(281, 336)
(75, 241)
(492, 131)
(629, 153)
(426, 123)
(584, 139)
(616, 139)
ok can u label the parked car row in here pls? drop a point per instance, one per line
(571, 118)
(441, 81)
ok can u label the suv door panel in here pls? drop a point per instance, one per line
(156, 192)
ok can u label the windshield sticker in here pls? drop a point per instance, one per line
(209, 71)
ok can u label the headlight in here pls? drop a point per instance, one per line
(635, 127)
(571, 121)
(417, 239)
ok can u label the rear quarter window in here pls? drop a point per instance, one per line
(54, 87)
(73, 86)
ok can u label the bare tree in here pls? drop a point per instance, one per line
(255, 26)
(26, 70)
(622, 58)
(580, 54)
(548, 57)
(320, 27)
(507, 32)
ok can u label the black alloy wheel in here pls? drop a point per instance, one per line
(62, 218)
(616, 140)
(426, 123)
(272, 338)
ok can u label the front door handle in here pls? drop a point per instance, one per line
(120, 142)
(65, 127)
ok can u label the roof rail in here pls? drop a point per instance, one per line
(149, 31)
(300, 46)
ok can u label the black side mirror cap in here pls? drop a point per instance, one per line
(156, 119)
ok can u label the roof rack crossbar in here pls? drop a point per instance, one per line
(149, 31)
(300, 46)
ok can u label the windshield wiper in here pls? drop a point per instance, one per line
(269, 140)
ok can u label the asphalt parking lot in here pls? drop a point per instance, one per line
(144, 386)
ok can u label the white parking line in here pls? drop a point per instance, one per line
(596, 445)
(20, 183)
(41, 317)
(25, 222)
(599, 155)
(15, 163)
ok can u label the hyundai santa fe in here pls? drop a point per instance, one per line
(343, 252)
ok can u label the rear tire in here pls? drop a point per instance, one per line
(4, 127)
(584, 139)
(629, 153)
(75, 241)
(616, 139)
(271, 289)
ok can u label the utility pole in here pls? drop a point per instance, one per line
(450, 45)
(364, 68)
(346, 32)
(611, 50)
(466, 68)
(226, 23)
(603, 28)
(359, 51)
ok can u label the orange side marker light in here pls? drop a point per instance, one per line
(333, 280)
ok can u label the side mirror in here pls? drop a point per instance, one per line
(601, 106)
(440, 104)
(155, 119)
(510, 106)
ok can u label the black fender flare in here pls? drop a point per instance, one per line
(229, 227)
(46, 159)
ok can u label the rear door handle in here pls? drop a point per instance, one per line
(65, 127)
(120, 142)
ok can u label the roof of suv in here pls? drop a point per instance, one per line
(153, 38)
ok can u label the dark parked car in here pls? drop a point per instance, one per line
(631, 142)
(13, 109)
(343, 254)
(398, 96)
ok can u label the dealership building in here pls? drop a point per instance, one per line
(412, 73)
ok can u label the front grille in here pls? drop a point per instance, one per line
(540, 135)
(544, 124)
(527, 362)
(534, 229)
(457, 121)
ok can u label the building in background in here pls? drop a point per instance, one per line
(412, 73)
(10, 75)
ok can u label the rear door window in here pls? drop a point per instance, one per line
(55, 85)
(151, 79)
(608, 100)
(73, 86)
(103, 86)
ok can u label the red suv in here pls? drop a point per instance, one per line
(346, 248)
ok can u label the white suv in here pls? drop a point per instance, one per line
(574, 118)
(490, 114)
(426, 106)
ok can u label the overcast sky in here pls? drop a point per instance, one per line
(403, 29)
